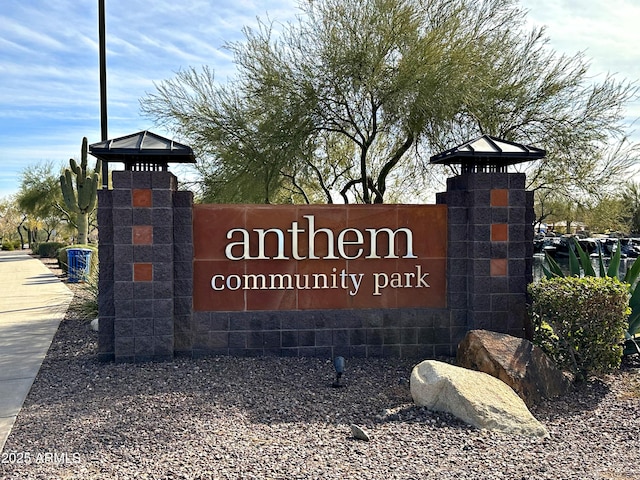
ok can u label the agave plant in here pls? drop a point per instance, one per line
(582, 263)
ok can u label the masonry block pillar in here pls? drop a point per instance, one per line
(106, 307)
(183, 271)
(140, 264)
(490, 250)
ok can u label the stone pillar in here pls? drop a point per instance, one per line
(490, 251)
(142, 266)
(183, 271)
(457, 259)
(106, 308)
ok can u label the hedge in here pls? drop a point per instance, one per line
(48, 249)
(63, 260)
(580, 322)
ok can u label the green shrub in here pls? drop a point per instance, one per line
(8, 246)
(48, 249)
(580, 322)
(63, 260)
(580, 264)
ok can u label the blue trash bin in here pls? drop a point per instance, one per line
(79, 260)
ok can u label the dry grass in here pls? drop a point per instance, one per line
(632, 388)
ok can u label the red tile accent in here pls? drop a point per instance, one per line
(142, 197)
(499, 197)
(142, 234)
(499, 232)
(142, 272)
(498, 267)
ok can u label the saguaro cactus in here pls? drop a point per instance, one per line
(83, 202)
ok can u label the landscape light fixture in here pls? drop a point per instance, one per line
(338, 364)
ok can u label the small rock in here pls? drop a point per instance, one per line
(358, 433)
(94, 324)
(389, 415)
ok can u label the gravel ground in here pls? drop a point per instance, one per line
(273, 418)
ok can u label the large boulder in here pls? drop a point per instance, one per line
(474, 397)
(516, 361)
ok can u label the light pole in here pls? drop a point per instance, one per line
(103, 87)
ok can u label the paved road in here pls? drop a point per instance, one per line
(33, 301)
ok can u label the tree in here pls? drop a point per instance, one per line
(354, 98)
(564, 215)
(609, 214)
(631, 199)
(548, 206)
(39, 197)
(10, 219)
(606, 213)
(587, 180)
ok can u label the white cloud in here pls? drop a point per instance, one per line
(49, 97)
(22, 34)
(605, 30)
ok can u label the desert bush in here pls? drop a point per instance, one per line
(48, 249)
(86, 304)
(580, 264)
(63, 260)
(581, 322)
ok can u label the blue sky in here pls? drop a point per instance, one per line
(49, 76)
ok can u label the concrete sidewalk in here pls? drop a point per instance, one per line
(33, 301)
